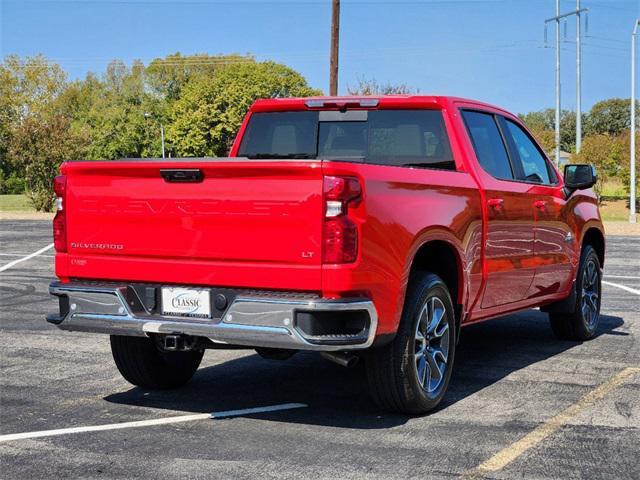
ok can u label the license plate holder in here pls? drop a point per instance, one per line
(186, 302)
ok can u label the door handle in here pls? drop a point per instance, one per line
(184, 175)
(496, 203)
(540, 204)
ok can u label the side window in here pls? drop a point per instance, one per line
(533, 162)
(488, 144)
(415, 138)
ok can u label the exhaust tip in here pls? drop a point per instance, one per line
(344, 359)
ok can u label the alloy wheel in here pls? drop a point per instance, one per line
(432, 345)
(590, 294)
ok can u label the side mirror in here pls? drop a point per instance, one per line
(579, 177)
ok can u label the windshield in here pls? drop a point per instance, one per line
(385, 137)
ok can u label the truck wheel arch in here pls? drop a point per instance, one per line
(441, 257)
(594, 236)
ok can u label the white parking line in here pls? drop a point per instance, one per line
(148, 423)
(24, 259)
(20, 255)
(249, 411)
(623, 287)
(627, 277)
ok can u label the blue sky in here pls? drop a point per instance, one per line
(492, 50)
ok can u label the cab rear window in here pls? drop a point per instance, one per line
(416, 138)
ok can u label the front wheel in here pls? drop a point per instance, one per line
(142, 363)
(582, 323)
(411, 374)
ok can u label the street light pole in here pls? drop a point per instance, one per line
(578, 81)
(632, 166)
(557, 135)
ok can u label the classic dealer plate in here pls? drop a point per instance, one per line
(186, 302)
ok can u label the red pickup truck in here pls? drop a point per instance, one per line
(370, 228)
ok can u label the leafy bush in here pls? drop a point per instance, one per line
(614, 187)
(39, 145)
(14, 185)
(610, 155)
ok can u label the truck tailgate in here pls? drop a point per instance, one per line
(244, 223)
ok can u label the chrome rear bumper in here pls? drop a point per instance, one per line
(254, 321)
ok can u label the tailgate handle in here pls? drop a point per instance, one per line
(182, 175)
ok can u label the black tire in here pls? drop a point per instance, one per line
(141, 363)
(393, 369)
(582, 323)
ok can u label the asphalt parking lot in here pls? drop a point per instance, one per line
(521, 403)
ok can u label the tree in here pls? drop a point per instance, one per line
(624, 174)
(372, 87)
(41, 143)
(111, 109)
(545, 121)
(27, 87)
(540, 120)
(595, 150)
(8, 113)
(609, 154)
(612, 117)
(208, 114)
(35, 134)
(546, 139)
(32, 84)
(167, 76)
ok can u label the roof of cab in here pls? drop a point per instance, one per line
(384, 102)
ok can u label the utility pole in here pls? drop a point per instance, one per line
(557, 19)
(335, 40)
(632, 166)
(578, 81)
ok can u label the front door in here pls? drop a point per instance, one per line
(510, 218)
(555, 243)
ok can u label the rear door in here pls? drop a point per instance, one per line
(555, 243)
(509, 247)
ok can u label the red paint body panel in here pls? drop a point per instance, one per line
(245, 220)
(258, 224)
(402, 210)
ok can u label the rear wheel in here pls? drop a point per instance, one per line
(142, 363)
(582, 323)
(411, 374)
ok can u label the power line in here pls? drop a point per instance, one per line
(605, 39)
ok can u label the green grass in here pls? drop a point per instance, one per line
(15, 203)
(613, 188)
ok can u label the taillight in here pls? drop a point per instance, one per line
(60, 220)
(340, 236)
